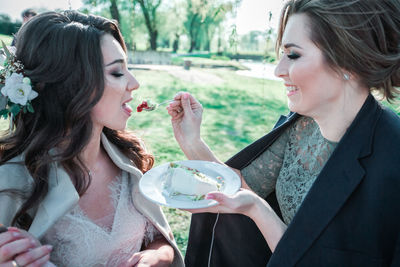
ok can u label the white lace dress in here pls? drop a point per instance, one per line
(78, 241)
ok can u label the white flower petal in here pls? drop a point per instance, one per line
(33, 94)
(15, 78)
(18, 92)
(26, 80)
(4, 91)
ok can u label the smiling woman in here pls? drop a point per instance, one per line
(321, 189)
(69, 170)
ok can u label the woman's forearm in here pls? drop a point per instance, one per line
(199, 150)
(269, 223)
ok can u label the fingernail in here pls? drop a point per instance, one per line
(13, 229)
(209, 196)
(49, 247)
(33, 242)
(16, 234)
(185, 96)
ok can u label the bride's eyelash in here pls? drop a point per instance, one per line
(293, 56)
(117, 74)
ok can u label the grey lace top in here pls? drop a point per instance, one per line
(290, 165)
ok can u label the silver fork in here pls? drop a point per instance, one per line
(152, 106)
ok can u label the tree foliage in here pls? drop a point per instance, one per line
(203, 18)
(113, 7)
(165, 22)
(8, 27)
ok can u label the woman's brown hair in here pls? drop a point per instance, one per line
(361, 37)
(62, 56)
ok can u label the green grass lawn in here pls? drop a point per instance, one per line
(7, 39)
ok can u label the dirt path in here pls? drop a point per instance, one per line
(194, 75)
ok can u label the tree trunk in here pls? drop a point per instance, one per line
(114, 11)
(175, 45)
(153, 40)
(149, 13)
(193, 33)
(192, 46)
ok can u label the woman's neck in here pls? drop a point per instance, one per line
(93, 153)
(335, 121)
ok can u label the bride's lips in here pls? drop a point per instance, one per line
(126, 108)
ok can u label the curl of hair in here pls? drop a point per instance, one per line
(359, 36)
(62, 55)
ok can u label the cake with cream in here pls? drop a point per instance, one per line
(188, 181)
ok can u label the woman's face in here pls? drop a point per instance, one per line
(312, 87)
(112, 110)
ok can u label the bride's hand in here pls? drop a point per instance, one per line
(186, 115)
(20, 246)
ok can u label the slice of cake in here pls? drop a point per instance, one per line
(188, 181)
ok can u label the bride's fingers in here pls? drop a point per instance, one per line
(35, 255)
(40, 262)
(10, 250)
(9, 236)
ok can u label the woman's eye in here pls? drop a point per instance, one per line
(117, 74)
(293, 56)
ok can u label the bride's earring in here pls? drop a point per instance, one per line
(346, 76)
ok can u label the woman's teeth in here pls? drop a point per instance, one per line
(291, 89)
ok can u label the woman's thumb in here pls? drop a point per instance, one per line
(185, 100)
(217, 196)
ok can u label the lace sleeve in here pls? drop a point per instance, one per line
(262, 173)
(151, 233)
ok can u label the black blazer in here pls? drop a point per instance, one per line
(350, 217)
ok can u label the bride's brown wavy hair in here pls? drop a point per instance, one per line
(358, 36)
(62, 56)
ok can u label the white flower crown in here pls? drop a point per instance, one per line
(16, 89)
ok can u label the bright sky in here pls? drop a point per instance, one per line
(251, 14)
(14, 7)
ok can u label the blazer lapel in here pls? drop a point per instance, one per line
(334, 185)
(252, 151)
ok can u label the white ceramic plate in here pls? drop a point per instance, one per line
(151, 184)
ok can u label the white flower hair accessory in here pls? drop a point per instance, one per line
(16, 89)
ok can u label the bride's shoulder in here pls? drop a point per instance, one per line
(14, 174)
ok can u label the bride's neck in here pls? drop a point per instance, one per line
(93, 152)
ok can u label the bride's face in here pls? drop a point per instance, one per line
(113, 111)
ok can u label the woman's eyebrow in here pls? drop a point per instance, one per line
(289, 45)
(116, 61)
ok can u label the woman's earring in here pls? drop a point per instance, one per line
(346, 77)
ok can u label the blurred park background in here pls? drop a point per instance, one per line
(222, 51)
